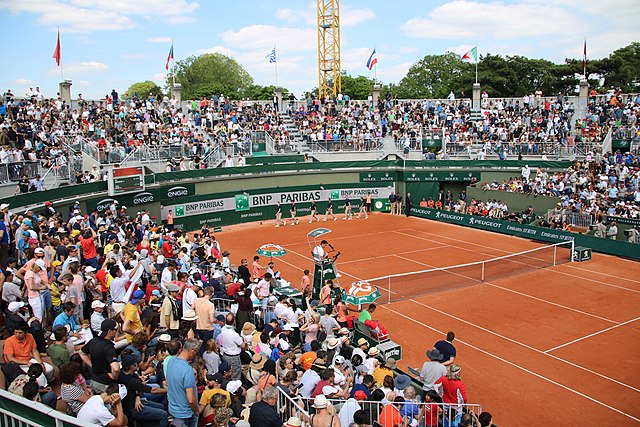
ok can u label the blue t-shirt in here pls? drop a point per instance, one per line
(5, 235)
(180, 377)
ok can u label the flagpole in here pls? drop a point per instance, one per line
(61, 72)
(584, 60)
(477, 64)
(275, 64)
(173, 68)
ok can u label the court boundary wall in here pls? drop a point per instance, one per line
(547, 235)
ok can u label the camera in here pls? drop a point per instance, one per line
(592, 227)
(628, 232)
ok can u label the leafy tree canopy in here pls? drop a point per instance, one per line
(211, 74)
(144, 89)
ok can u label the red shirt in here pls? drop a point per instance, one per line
(88, 248)
(390, 416)
(233, 289)
(101, 277)
(167, 249)
(450, 390)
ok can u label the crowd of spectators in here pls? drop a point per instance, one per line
(35, 128)
(600, 186)
(531, 125)
(115, 320)
(115, 126)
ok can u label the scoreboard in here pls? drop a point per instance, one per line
(126, 180)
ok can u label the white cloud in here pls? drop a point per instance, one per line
(351, 16)
(394, 73)
(101, 15)
(266, 36)
(84, 83)
(22, 82)
(303, 15)
(80, 68)
(218, 49)
(406, 49)
(161, 39)
(463, 19)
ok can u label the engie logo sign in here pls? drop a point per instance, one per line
(177, 192)
(104, 204)
(142, 198)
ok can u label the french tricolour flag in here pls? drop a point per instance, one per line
(372, 60)
(169, 57)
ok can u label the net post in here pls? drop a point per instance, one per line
(389, 290)
(573, 246)
(482, 277)
(555, 250)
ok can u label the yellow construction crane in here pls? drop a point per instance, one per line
(329, 70)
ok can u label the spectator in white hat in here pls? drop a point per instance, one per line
(97, 316)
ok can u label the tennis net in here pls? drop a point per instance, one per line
(417, 283)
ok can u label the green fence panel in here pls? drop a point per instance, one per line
(63, 192)
(613, 247)
(268, 160)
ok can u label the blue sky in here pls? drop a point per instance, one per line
(110, 44)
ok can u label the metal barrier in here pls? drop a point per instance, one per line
(290, 407)
(448, 413)
(16, 411)
(576, 219)
(372, 144)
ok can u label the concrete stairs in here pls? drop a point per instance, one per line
(295, 133)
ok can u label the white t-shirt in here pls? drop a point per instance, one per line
(318, 253)
(188, 299)
(94, 411)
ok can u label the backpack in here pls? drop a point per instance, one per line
(176, 309)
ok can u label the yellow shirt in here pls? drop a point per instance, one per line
(55, 295)
(130, 313)
(108, 248)
(208, 393)
(379, 373)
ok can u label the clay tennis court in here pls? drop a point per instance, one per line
(551, 346)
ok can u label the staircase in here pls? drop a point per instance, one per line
(295, 133)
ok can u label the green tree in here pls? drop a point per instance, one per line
(434, 76)
(211, 74)
(144, 89)
(358, 88)
(621, 69)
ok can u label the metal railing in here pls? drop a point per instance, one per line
(16, 411)
(448, 413)
(13, 172)
(328, 146)
(290, 407)
(576, 219)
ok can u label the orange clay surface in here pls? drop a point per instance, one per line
(557, 346)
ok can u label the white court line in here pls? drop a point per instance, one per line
(559, 359)
(390, 255)
(522, 368)
(516, 292)
(575, 267)
(490, 332)
(552, 303)
(554, 270)
(592, 335)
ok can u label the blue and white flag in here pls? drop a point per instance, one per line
(272, 56)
